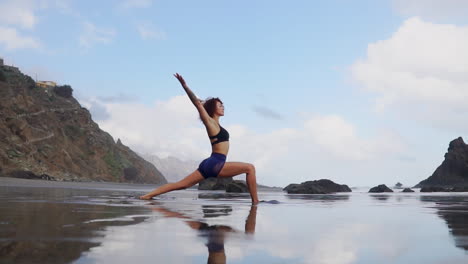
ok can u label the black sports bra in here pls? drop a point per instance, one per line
(222, 136)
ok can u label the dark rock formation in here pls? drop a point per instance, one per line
(64, 91)
(460, 189)
(398, 185)
(217, 184)
(322, 186)
(29, 175)
(380, 189)
(407, 190)
(130, 174)
(444, 189)
(433, 189)
(453, 172)
(46, 132)
(2, 76)
(214, 184)
(237, 187)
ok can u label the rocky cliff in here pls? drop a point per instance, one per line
(44, 132)
(453, 172)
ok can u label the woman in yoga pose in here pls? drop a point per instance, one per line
(215, 166)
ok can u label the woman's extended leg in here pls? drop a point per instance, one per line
(192, 179)
(232, 169)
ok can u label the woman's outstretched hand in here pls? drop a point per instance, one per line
(181, 79)
(197, 102)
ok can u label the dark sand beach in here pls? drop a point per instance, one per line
(66, 222)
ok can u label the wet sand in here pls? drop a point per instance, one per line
(68, 222)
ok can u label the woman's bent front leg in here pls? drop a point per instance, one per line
(232, 169)
(192, 179)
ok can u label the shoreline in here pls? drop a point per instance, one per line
(18, 182)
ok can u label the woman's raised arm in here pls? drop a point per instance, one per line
(196, 102)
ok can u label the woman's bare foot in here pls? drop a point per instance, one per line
(145, 197)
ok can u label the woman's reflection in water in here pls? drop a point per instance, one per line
(215, 234)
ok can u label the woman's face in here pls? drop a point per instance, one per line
(219, 109)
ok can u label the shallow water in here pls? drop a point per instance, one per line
(103, 223)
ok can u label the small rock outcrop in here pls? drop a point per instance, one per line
(407, 190)
(380, 189)
(322, 186)
(214, 184)
(453, 172)
(237, 187)
(398, 185)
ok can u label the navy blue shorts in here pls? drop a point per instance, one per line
(211, 166)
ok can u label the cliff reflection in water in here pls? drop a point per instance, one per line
(454, 210)
(37, 226)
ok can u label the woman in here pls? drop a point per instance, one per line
(215, 165)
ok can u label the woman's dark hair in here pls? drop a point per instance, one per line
(210, 105)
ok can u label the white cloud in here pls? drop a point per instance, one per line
(148, 31)
(18, 16)
(421, 71)
(12, 39)
(286, 155)
(432, 9)
(92, 35)
(339, 138)
(18, 13)
(127, 4)
(164, 128)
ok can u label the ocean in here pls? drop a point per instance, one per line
(68, 222)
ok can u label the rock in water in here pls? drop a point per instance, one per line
(322, 186)
(380, 189)
(453, 172)
(214, 184)
(46, 132)
(237, 187)
(406, 190)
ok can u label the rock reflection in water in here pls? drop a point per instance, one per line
(319, 197)
(216, 210)
(215, 235)
(223, 196)
(454, 210)
(48, 231)
(380, 197)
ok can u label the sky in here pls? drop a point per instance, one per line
(359, 92)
